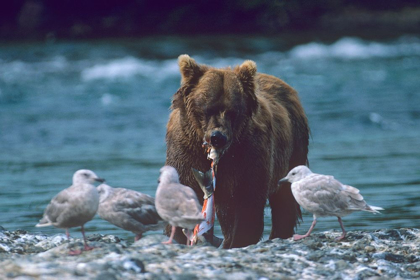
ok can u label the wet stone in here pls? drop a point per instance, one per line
(106, 276)
(135, 265)
(394, 258)
(340, 265)
(314, 256)
(312, 244)
(390, 257)
(370, 249)
(413, 258)
(366, 274)
(413, 268)
(392, 234)
(350, 257)
(354, 236)
(383, 254)
(407, 234)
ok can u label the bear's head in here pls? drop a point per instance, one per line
(216, 104)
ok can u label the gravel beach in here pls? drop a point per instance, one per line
(381, 254)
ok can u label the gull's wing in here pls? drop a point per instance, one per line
(180, 205)
(69, 208)
(323, 195)
(57, 206)
(138, 206)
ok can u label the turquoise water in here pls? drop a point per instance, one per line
(103, 105)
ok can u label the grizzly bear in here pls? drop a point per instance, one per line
(258, 126)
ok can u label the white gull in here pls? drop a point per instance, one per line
(175, 203)
(74, 206)
(322, 195)
(129, 210)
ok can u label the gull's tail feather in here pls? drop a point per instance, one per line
(44, 223)
(160, 225)
(373, 209)
(194, 219)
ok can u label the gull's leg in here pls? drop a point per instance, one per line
(171, 237)
(87, 247)
(72, 252)
(342, 228)
(190, 236)
(299, 237)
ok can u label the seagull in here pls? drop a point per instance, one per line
(177, 204)
(322, 195)
(74, 206)
(129, 210)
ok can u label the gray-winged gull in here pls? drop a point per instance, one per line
(175, 203)
(129, 210)
(322, 195)
(74, 206)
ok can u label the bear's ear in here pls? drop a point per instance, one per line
(246, 74)
(189, 68)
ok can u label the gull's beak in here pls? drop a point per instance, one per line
(281, 181)
(99, 180)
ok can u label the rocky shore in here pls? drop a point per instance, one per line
(381, 254)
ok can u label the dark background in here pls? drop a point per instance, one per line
(73, 19)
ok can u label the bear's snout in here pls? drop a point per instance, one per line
(218, 139)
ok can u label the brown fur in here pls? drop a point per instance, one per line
(267, 135)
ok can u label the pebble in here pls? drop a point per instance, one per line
(380, 254)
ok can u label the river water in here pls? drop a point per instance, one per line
(103, 105)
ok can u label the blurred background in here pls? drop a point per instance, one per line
(88, 84)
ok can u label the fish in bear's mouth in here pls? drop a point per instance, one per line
(213, 153)
(216, 144)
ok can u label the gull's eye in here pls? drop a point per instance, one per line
(294, 173)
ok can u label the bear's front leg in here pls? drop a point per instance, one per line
(241, 217)
(285, 212)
